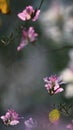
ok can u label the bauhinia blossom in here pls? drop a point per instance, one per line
(53, 84)
(29, 13)
(11, 117)
(28, 36)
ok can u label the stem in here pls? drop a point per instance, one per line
(41, 3)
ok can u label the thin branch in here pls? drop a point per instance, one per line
(41, 3)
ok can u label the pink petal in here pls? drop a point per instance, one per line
(2, 117)
(36, 16)
(22, 16)
(59, 90)
(14, 122)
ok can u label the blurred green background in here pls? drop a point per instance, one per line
(22, 73)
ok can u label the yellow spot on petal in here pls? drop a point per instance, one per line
(54, 115)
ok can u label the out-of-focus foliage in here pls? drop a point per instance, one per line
(22, 73)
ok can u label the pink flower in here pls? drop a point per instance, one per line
(30, 123)
(53, 84)
(10, 118)
(27, 36)
(70, 126)
(29, 13)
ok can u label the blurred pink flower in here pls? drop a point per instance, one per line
(27, 36)
(53, 84)
(29, 13)
(10, 118)
(30, 123)
(70, 126)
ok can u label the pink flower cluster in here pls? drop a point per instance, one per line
(27, 37)
(29, 13)
(10, 118)
(53, 84)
